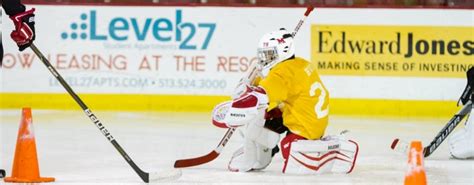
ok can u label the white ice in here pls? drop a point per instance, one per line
(71, 149)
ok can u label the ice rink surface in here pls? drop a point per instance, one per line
(71, 149)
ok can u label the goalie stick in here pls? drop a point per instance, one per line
(250, 77)
(402, 146)
(218, 115)
(146, 177)
(206, 158)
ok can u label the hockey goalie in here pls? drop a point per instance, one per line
(287, 99)
(461, 143)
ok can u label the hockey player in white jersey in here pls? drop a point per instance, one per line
(461, 143)
(289, 99)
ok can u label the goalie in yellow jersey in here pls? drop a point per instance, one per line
(288, 98)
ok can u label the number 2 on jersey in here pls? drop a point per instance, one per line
(318, 108)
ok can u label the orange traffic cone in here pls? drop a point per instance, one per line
(25, 164)
(415, 174)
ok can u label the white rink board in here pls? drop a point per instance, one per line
(235, 36)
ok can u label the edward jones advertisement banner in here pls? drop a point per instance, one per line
(425, 51)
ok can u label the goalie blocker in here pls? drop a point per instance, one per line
(261, 132)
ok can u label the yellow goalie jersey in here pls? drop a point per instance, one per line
(295, 87)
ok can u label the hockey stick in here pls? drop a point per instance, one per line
(206, 158)
(218, 115)
(146, 177)
(182, 163)
(309, 9)
(402, 146)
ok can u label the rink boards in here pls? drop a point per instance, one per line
(386, 62)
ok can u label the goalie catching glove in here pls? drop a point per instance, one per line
(249, 108)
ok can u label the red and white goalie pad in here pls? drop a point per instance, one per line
(332, 154)
(249, 108)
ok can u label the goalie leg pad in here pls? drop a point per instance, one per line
(255, 157)
(329, 155)
(261, 135)
(243, 159)
(264, 157)
(286, 144)
(256, 153)
(461, 142)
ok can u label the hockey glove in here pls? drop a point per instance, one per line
(24, 32)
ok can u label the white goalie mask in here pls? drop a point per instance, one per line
(273, 48)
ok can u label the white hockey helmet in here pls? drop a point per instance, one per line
(273, 48)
